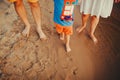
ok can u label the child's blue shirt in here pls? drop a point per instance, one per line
(58, 7)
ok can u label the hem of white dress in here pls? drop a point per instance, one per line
(98, 16)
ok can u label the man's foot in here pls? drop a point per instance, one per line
(26, 31)
(62, 36)
(41, 34)
(94, 39)
(68, 49)
(80, 29)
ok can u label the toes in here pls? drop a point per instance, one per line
(25, 32)
(43, 38)
(78, 29)
(68, 49)
(94, 39)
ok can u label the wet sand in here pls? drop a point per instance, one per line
(32, 59)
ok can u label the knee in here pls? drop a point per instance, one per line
(34, 5)
(84, 15)
(18, 3)
(94, 17)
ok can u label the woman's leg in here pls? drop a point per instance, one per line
(84, 22)
(94, 23)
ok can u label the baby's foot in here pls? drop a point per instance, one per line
(68, 49)
(26, 31)
(62, 36)
(94, 39)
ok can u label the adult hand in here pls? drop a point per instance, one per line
(117, 1)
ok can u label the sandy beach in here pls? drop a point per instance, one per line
(30, 58)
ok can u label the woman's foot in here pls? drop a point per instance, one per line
(80, 29)
(62, 36)
(94, 39)
(26, 31)
(68, 49)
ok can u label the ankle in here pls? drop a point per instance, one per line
(67, 45)
(39, 30)
(27, 26)
(91, 34)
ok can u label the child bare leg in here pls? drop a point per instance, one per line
(94, 22)
(67, 44)
(62, 36)
(84, 22)
(19, 7)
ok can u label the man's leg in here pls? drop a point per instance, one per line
(94, 22)
(35, 8)
(19, 7)
(84, 22)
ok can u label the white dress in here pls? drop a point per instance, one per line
(98, 8)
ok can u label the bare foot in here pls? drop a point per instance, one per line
(62, 36)
(42, 35)
(94, 39)
(68, 49)
(26, 31)
(80, 29)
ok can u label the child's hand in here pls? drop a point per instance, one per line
(79, 1)
(116, 1)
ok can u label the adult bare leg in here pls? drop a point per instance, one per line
(94, 23)
(19, 7)
(35, 8)
(84, 22)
